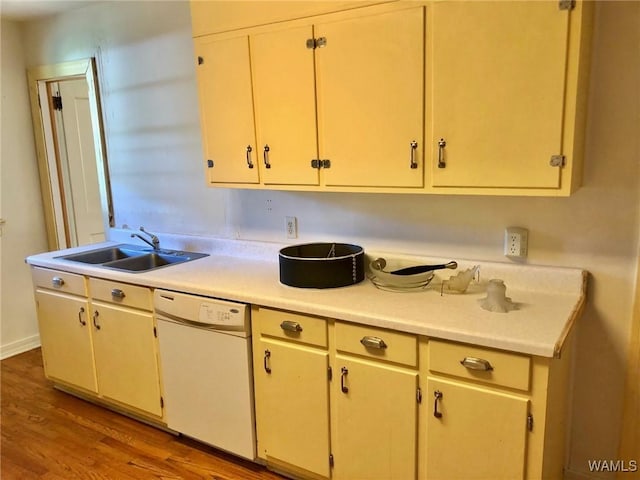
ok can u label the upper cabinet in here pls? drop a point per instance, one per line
(442, 97)
(502, 88)
(370, 76)
(226, 109)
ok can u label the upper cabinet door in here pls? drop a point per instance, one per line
(497, 79)
(284, 88)
(226, 109)
(370, 91)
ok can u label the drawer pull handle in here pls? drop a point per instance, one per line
(473, 363)
(343, 375)
(267, 356)
(117, 293)
(57, 282)
(373, 342)
(80, 313)
(289, 326)
(95, 320)
(438, 396)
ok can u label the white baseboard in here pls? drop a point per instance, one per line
(19, 346)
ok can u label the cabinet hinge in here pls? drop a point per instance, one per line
(557, 161)
(209, 163)
(329, 373)
(567, 4)
(315, 163)
(419, 395)
(57, 102)
(316, 42)
(331, 460)
(200, 60)
(530, 422)
(161, 402)
(155, 332)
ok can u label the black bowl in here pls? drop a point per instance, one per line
(321, 265)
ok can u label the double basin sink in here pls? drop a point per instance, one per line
(132, 258)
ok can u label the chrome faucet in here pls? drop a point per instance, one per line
(154, 242)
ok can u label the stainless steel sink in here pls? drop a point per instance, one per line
(109, 254)
(132, 258)
(151, 261)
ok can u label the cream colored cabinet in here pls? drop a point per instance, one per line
(336, 103)
(284, 88)
(374, 404)
(65, 334)
(291, 368)
(226, 109)
(490, 414)
(125, 345)
(485, 428)
(370, 76)
(507, 81)
(103, 344)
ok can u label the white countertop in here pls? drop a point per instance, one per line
(549, 299)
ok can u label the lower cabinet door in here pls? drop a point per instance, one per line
(292, 405)
(126, 358)
(374, 429)
(66, 339)
(474, 433)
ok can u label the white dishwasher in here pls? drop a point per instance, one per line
(205, 353)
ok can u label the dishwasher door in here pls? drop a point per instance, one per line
(207, 381)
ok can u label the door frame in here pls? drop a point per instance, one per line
(630, 437)
(38, 79)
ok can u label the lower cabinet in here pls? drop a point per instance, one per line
(291, 373)
(346, 401)
(98, 339)
(487, 429)
(375, 404)
(65, 336)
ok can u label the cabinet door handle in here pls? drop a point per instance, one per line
(267, 356)
(412, 158)
(373, 342)
(438, 395)
(249, 161)
(290, 326)
(95, 320)
(80, 313)
(117, 293)
(57, 282)
(473, 363)
(441, 160)
(265, 156)
(343, 375)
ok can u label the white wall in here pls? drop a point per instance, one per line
(149, 93)
(20, 201)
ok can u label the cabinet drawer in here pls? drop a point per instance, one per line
(121, 293)
(377, 343)
(60, 281)
(477, 363)
(292, 326)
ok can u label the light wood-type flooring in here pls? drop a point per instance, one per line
(48, 434)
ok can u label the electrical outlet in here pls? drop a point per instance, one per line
(516, 240)
(291, 227)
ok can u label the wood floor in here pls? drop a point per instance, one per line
(47, 434)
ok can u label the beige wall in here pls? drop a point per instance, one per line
(20, 202)
(146, 66)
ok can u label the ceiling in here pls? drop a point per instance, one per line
(24, 10)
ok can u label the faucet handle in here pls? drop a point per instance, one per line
(154, 239)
